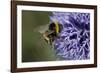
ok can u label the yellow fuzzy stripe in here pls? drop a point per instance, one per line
(57, 27)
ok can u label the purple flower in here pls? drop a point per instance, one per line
(74, 41)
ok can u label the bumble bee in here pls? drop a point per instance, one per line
(54, 29)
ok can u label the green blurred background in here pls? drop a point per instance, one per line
(34, 47)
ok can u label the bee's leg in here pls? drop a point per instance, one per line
(50, 41)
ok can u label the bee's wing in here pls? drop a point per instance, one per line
(41, 29)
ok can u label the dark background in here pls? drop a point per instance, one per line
(34, 47)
